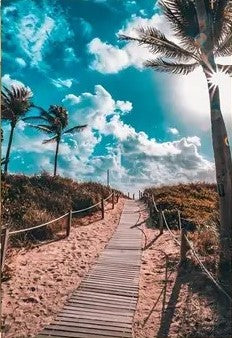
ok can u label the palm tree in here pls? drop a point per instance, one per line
(15, 103)
(53, 122)
(204, 32)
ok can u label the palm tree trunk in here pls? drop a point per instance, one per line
(223, 166)
(9, 148)
(56, 155)
(222, 154)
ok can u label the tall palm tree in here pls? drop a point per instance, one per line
(15, 103)
(204, 32)
(53, 122)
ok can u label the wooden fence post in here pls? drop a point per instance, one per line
(133, 196)
(128, 195)
(69, 223)
(113, 200)
(4, 242)
(150, 207)
(102, 208)
(161, 222)
(184, 246)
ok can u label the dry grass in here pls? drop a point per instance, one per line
(195, 307)
(198, 204)
(28, 201)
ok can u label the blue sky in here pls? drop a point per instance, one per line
(146, 127)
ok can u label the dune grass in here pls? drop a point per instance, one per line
(28, 201)
(198, 204)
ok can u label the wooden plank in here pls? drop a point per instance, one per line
(98, 305)
(64, 334)
(97, 316)
(86, 322)
(101, 301)
(113, 292)
(104, 304)
(77, 309)
(89, 330)
(107, 297)
(94, 295)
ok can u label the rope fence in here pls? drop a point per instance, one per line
(38, 226)
(5, 233)
(184, 243)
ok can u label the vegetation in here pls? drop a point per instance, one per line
(54, 123)
(30, 201)
(15, 103)
(203, 29)
(198, 204)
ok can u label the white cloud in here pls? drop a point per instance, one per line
(134, 159)
(21, 62)
(108, 59)
(59, 83)
(124, 106)
(7, 81)
(138, 159)
(173, 131)
(34, 29)
(187, 95)
(70, 56)
(86, 27)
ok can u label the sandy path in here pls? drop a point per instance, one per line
(43, 277)
(190, 307)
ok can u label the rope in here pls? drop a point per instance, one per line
(57, 219)
(193, 252)
(38, 226)
(108, 197)
(155, 206)
(179, 220)
(206, 271)
(85, 209)
(166, 224)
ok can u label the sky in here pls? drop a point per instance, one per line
(147, 128)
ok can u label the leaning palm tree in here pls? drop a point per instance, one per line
(15, 103)
(204, 31)
(53, 122)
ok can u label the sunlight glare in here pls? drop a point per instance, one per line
(217, 79)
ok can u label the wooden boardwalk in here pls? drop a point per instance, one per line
(104, 304)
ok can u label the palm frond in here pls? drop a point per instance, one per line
(224, 19)
(34, 118)
(15, 102)
(60, 114)
(75, 129)
(226, 69)
(3, 160)
(182, 18)
(171, 67)
(224, 48)
(50, 140)
(44, 128)
(158, 43)
(182, 15)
